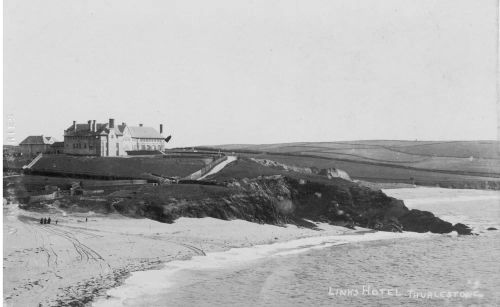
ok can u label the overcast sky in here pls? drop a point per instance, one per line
(218, 72)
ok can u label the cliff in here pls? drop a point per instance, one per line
(255, 192)
(281, 198)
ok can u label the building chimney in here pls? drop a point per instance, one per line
(161, 128)
(140, 125)
(74, 125)
(93, 126)
(111, 123)
(90, 125)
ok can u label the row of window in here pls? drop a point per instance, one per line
(151, 140)
(79, 145)
(81, 137)
(150, 147)
(91, 147)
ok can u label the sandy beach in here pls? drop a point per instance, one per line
(76, 261)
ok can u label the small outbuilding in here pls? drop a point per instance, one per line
(35, 144)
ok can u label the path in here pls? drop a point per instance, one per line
(219, 167)
(33, 162)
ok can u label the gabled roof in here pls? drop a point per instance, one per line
(38, 140)
(144, 133)
(121, 128)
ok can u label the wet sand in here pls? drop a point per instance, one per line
(77, 261)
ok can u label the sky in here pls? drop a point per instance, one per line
(263, 71)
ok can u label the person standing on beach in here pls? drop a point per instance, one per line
(41, 220)
(85, 220)
(48, 221)
(44, 221)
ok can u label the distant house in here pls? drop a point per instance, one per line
(35, 144)
(108, 139)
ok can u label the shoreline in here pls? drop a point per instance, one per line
(139, 286)
(77, 262)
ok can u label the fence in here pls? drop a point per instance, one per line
(101, 183)
(43, 197)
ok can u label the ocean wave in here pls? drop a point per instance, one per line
(147, 283)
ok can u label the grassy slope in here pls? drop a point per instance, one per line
(429, 163)
(131, 167)
(245, 168)
(458, 149)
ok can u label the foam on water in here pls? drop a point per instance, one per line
(427, 195)
(451, 205)
(147, 283)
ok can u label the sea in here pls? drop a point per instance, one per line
(372, 269)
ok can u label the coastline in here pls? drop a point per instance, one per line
(43, 264)
(141, 287)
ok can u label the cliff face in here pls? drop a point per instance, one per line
(280, 199)
(260, 192)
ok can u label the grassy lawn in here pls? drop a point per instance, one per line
(130, 167)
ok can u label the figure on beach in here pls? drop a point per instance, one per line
(48, 220)
(44, 221)
(41, 220)
(85, 220)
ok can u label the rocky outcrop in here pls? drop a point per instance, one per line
(424, 221)
(334, 173)
(278, 165)
(280, 200)
(327, 172)
(462, 229)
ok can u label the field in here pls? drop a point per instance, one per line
(119, 167)
(455, 149)
(454, 164)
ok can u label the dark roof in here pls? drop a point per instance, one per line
(121, 128)
(103, 129)
(144, 133)
(38, 140)
(84, 130)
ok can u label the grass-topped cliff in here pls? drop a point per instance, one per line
(250, 190)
